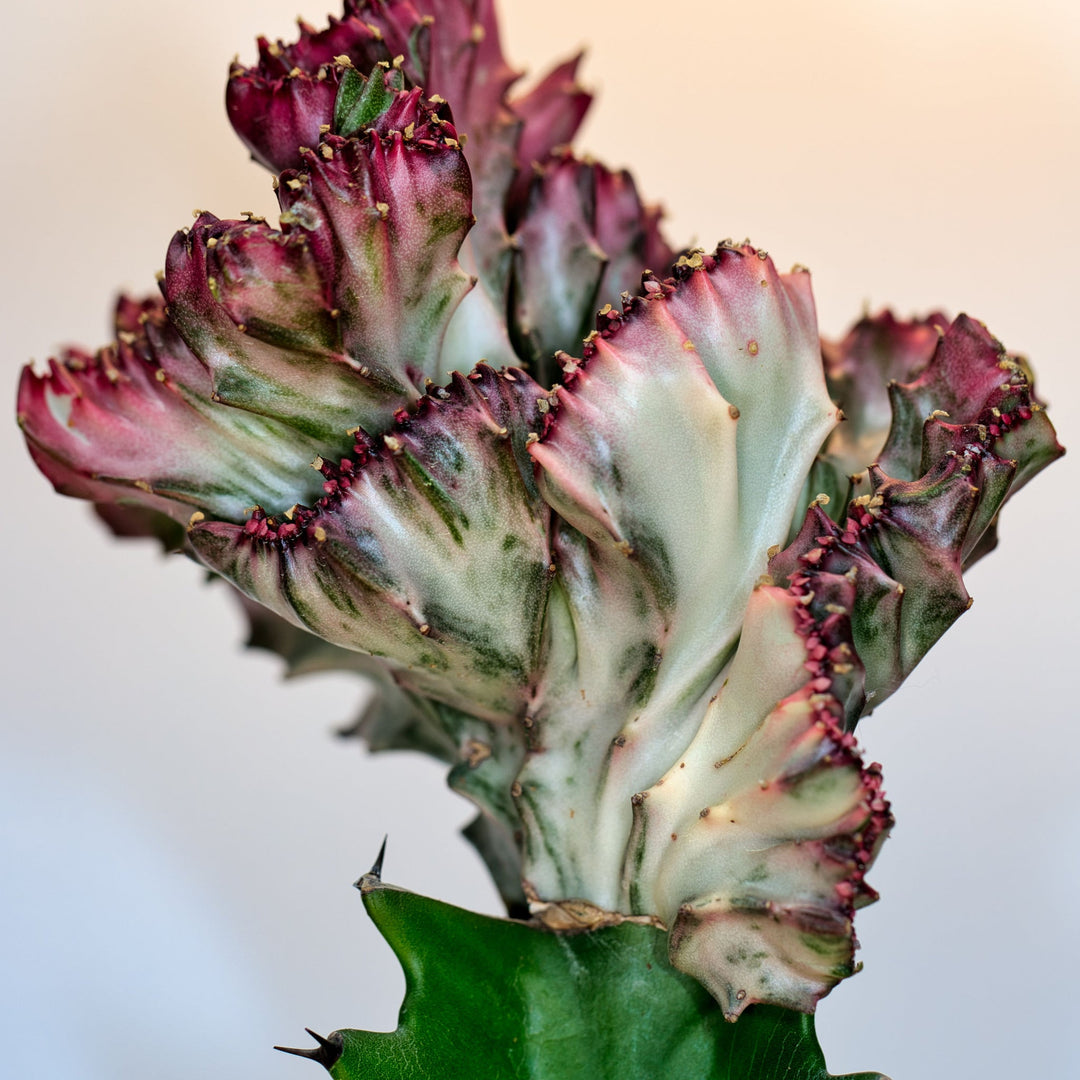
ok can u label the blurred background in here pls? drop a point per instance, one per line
(179, 831)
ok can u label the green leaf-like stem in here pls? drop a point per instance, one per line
(494, 999)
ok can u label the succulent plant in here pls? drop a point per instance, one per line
(615, 534)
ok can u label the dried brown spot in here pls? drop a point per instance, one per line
(477, 752)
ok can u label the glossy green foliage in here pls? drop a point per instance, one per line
(491, 999)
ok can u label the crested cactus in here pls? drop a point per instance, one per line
(611, 529)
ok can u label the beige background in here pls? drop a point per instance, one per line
(179, 832)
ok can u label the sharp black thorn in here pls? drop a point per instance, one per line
(374, 875)
(313, 1054)
(376, 869)
(326, 1053)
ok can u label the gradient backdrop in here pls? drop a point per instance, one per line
(179, 832)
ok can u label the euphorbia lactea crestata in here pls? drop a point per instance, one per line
(636, 575)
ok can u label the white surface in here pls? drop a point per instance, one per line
(179, 831)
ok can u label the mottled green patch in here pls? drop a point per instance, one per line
(643, 661)
(744, 958)
(824, 945)
(436, 310)
(651, 552)
(445, 453)
(313, 332)
(444, 224)
(360, 102)
(489, 652)
(538, 845)
(639, 899)
(433, 661)
(488, 783)
(247, 388)
(818, 785)
(425, 484)
(373, 255)
(366, 561)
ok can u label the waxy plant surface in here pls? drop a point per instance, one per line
(586, 570)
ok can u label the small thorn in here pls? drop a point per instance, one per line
(298, 1052)
(326, 1053)
(323, 1043)
(376, 869)
(374, 875)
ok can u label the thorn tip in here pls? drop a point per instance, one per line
(374, 875)
(376, 868)
(326, 1053)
